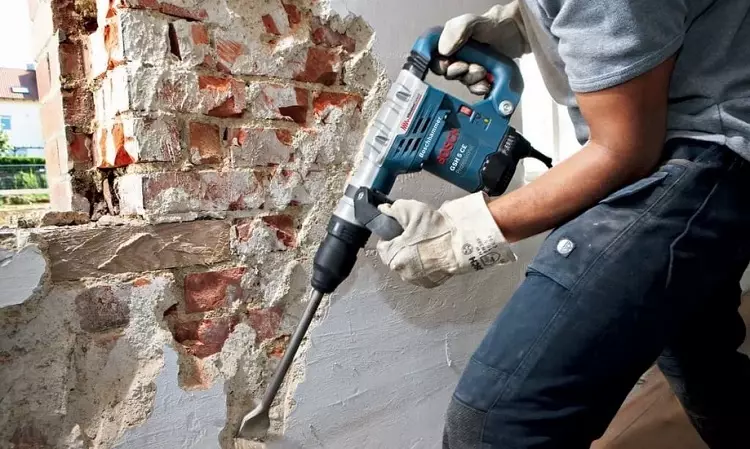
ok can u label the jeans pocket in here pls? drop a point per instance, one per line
(570, 250)
(634, 189)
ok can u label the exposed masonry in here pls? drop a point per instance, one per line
(200, 146)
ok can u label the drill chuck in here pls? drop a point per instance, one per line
(337, 254)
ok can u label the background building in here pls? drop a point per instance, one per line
(19, 111)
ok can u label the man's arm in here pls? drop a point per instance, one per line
(627, 128)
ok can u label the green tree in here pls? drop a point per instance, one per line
(5, 146)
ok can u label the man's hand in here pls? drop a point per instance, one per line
(501, 27)
(459, 237)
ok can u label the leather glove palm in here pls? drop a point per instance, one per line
(458, 238)
(501, 27)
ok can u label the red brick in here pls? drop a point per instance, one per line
(232, 89)
(265, 322)
(112, 148)
(71, 62)
(212, 290)
(321, 66)
(244, 228)
(295, 16)
(270, 25)
(228, 51)
(297, 113)
(78, 107)
(286, 230)
(186, 13)
(199, 34)
(325, 36)
(282, 102)
(205, 143)
(79, 147)
(203, 338)
(122, 157)
(101, 309)
(325, 100)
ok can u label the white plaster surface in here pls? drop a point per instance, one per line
(180, 419)
(20, 274)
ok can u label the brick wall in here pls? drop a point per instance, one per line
(205, 144)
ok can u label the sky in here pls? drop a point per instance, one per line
(15, 34)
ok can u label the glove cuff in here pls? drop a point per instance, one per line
(477, 242)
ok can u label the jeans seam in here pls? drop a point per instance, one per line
(689, 224)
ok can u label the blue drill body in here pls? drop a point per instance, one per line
(419, 127)
(447, 136)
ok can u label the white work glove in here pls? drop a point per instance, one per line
(501, 27)
(458, 238)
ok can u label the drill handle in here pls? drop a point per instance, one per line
(507, 82)
(366, 202)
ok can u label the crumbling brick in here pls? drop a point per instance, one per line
(254, 147)
(72, 66)
(211, 290)
(79, 147)
(324, 35)
(203, 338)
(183, 192)
(78, 107)
(276, 101)
(205, 143)
(169, 8)
(327, 104)
(228, 95)
(227, 52)
(323, 65)
(286, 230)
(265, 322)
(191, 44)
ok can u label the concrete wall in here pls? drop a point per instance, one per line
(381, 366)
(26, 125)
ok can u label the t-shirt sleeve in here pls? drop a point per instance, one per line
(604, 43)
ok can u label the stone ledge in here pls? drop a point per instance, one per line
(82, 252)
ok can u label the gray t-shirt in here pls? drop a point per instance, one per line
(589, 45)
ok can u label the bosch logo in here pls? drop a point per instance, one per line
(448, 146)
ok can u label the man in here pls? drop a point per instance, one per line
(651, 224)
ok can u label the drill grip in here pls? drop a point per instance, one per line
(366, 202)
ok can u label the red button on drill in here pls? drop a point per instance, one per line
(465, 110)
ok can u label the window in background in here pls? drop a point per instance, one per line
(5, 122)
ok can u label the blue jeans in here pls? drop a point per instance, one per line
(651, 273)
